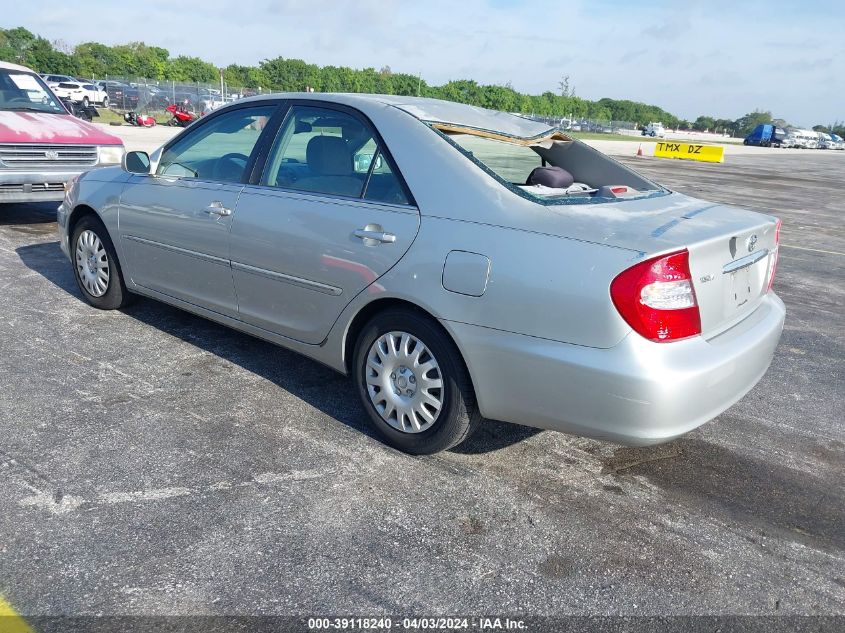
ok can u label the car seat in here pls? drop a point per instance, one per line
(330, 169)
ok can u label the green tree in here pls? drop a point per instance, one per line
(704, 123)
(139, 60)
(184, 68)
(291, 75)
(744, 125)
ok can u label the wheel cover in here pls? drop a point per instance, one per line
(404, 382)
(92, 264)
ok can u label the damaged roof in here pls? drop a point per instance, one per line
(446, 116)
(459, 117)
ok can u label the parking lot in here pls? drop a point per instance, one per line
(155, 463)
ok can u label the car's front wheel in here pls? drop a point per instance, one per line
(95, 265)
(85, 102)
(105, 102)
(413, 383)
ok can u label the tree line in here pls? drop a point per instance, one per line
(137, 59)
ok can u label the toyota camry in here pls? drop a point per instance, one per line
(458, 264)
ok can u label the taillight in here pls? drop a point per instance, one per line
(657, 299)
(773, 254)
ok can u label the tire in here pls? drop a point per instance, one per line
(416, 433)
(85, 102)
(105, 102)
(94, 259)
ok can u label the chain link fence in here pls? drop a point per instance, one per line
(146, 96)
(586, 125)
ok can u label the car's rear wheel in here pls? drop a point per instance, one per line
(105, 102)
(95, 265)
(413, 383)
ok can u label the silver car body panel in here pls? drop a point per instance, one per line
(173, 245)
(543, 343)
(297, 263)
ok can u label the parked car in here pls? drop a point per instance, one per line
(42, 146)
(654, 129)
(458, 263)
(121, 95)
(54, 80)
(82, 93)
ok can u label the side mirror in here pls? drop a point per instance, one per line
(136, 162)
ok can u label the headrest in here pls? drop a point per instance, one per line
(329, 156)
(550, 176)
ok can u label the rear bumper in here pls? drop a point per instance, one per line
(35, 186)
(635, 393)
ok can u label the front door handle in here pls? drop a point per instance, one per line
(217, 208)
(373, 234)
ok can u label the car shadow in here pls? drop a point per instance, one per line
(29, 217)
(321, 387)
(773, 496)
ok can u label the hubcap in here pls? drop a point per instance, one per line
(404, 382)
(92, 263)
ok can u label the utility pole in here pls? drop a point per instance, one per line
(419, 83)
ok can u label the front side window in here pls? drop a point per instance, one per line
(218, 150)
(27, 92)
(330, 152)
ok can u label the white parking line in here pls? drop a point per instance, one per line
(814, 250)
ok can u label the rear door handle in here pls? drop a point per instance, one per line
(217, 208)
(372, 236)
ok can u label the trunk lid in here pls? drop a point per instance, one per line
(731, 250)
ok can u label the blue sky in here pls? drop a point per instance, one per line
(716, 57)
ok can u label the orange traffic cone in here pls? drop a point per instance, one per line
(640, 150)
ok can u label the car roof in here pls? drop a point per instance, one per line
(453, 116)
(10, 66)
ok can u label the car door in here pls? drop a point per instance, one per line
(330, 215)
(174, 224)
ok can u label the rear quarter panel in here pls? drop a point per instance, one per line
(540, 285)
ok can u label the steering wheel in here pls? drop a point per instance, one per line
(230, 167)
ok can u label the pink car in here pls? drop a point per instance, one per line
(43, 146)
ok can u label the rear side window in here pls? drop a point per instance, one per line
(326, 151)
(510, 162)
(218, 150)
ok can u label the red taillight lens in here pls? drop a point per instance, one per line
(774, 256)
(657, 299)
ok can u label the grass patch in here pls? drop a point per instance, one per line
(108, 116)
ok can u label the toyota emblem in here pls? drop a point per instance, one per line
(51, 154)
(752, 242)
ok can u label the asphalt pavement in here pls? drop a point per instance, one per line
(154, 463)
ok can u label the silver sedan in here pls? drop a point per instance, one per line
(458, 263)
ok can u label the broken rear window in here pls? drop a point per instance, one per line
(590, 176)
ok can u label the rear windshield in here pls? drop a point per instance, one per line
(594, 177)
